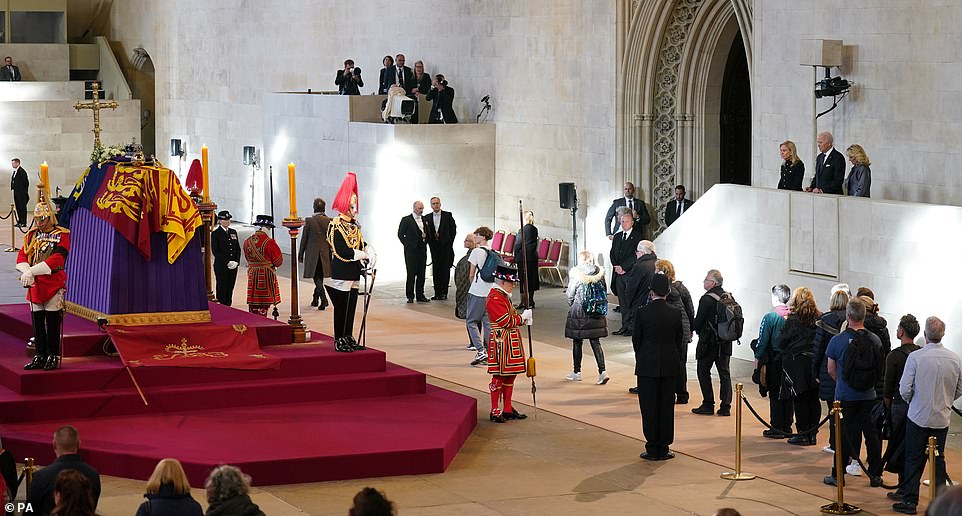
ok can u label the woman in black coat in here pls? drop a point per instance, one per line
(168, 493)
(580, 325)
(527, 261)
(796, 356)
(826, 327)
(388, 75)
(793, 170)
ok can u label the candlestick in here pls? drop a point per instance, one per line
(293, 189)
(204, 168)
(45, 178)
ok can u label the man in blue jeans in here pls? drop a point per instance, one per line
(931, 382)
(856, 404)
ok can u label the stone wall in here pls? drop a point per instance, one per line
(549, 67)
(906, 106)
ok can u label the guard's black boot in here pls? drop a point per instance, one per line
(40, 341)
(353, 343)
(54, 321)
(341, 344)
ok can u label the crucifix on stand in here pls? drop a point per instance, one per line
(95, 105)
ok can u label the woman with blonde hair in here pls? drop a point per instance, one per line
(527, 261)
(168, 492)
(828, 326)
(680, 298)
(587, 298)
(798, 379)
(793, 170)
(859, 180)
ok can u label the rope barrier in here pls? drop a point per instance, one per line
(782, 432)
(7, 216)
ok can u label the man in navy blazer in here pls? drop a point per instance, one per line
(829, 166)
(677, 206)
(657, 340)
(637, 207)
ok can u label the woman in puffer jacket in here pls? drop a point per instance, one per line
(680, 298)
(826, 327)
(581, 325)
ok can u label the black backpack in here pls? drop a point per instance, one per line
(863, 362)
(729, 322)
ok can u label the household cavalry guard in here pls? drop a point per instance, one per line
(505, 349)
(41, 264)
(351, 257)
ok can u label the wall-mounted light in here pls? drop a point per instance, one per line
(250, 155)
(177, 148)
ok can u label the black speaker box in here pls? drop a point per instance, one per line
(567, 195)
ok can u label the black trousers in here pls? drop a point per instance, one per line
(857, 423)
(721, 363)
(345, 305)
(681, 380)
(780, 410)
(808, 410)
(226, 278)
(416, 262)
(442, 258)
(47, 327)
(20, 199)
(656, 398)
(577, 344)
(916, 440)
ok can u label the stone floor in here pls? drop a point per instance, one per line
(577, 452)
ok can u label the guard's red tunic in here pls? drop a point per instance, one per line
(263, 256)
(505, 349)
(50, 247)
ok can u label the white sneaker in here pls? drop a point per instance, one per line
(603, 378)
(480, 358)
(829, 449)
(573, 377)
(853, 469)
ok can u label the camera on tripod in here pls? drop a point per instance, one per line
(831, 87)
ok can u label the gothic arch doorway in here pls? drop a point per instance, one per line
(735, 119)
(141, 77)
(679, 81)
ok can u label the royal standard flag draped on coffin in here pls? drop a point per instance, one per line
(137, 200)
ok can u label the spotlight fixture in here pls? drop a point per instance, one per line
(177, 148)
(832, 87)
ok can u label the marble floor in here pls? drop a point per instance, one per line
(578, 451)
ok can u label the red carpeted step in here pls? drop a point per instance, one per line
(275, 444)
(98, 373)
(163, 398)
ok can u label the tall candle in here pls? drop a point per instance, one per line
(45, 178)
(206, 178)
(293, 189)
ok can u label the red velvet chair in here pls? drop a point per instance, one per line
(507, 252)
(550, 262)
(497, 240)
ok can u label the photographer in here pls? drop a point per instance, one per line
(349, 80)
(443, 97)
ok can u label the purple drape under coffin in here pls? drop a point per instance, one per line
(107, 274)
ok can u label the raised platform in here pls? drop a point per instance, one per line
(322, 415)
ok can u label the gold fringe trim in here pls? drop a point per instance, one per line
(139, 319)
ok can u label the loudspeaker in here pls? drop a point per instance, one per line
(175, 148)
(567, 195)
(250, 155)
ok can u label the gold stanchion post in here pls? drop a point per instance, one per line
(207, 210)
(839, 506)
(13, 229)
(737, 474)
(933, 452)
(28, 469)
(299, 331)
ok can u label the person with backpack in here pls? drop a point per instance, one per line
(855, 362)
(714, 347)
(588, 300)
(476, 318)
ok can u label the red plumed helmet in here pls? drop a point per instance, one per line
(342, 201)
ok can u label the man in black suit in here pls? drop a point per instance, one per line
(66, 443)
(829, 166)
(407, 80)
(442, 97)
(676, 207)
(315, 251)
(349, 80)
(411, 234)
(623, 258)
(658, 341)
(638, 210)
(225, 247)
(10, 71)
(441, 230)
(20, 184)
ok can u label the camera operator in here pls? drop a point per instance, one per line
(442, 96)
(348, 80)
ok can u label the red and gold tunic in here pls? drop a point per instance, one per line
(263, 256)
(50, 246)
(505, 349)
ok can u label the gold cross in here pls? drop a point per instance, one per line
(95, 105)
